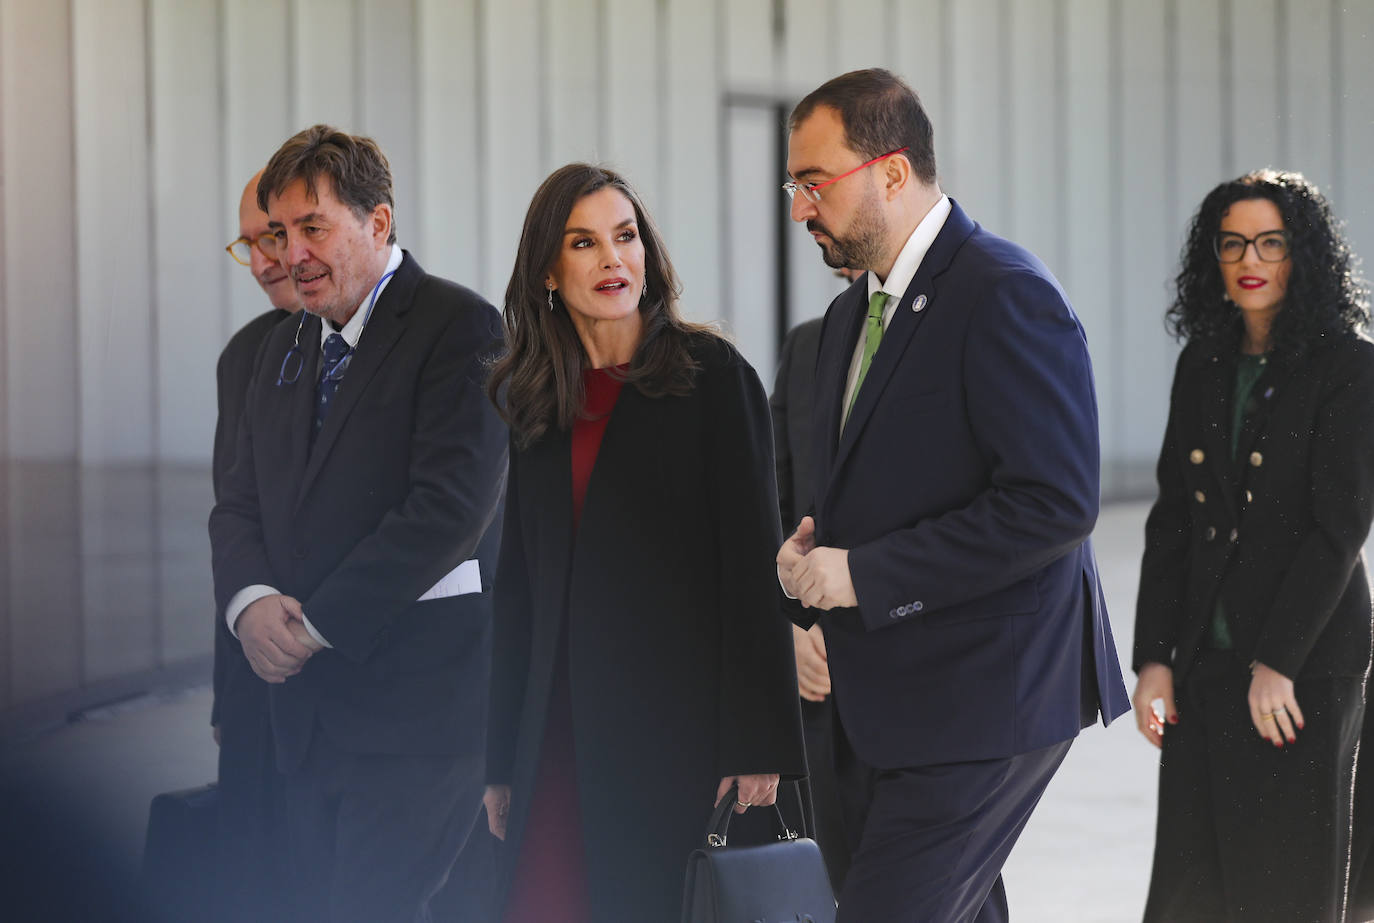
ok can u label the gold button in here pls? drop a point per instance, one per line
(1249, 497)
(1235, 534)
(1199, 496)
(1256, 459)
(1196, 456)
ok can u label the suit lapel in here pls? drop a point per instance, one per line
(919, 299)
(841, 333)
(300, 416)
(1214, 404)
(379, 335)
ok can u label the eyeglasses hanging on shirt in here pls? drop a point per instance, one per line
(294, 360)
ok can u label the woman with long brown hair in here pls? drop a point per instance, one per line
(641, 663)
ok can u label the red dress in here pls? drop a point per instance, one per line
(550, 881)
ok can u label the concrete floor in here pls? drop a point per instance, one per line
(1085, 856)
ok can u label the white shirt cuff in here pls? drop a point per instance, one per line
(784, 587)
(310, 629)
(242, 600)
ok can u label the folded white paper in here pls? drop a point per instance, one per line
(463, 579)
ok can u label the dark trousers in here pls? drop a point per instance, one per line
(934, 838)
(1246, 830)
(250, 845)
(374, 836)
(1361, 906)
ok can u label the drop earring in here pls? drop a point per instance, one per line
(550, 299)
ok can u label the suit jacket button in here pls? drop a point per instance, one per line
(894, 614)
(917, 606)
(1211, 533)
(1199, 496)
(1196, 456)
(1249, 497)
(1256, 459)
(1235, 534)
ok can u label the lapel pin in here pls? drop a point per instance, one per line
(919, 304)
(1269, 393)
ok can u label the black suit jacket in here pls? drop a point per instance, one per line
(398, 488)
(1277, 534)
(679, 658)
(790, 404)
(965, 486)
(232, 374)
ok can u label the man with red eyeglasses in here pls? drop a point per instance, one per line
(248, 859)
(946, 556)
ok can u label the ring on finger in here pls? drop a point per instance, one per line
(1267, 716)
(746, 804)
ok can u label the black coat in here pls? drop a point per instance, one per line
(1276, 536)
(679, 658)
(397, 489)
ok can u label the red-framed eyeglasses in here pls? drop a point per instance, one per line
(812, 191)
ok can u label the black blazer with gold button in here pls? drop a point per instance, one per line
(1276, 534)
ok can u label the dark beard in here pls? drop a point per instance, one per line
(862, 247)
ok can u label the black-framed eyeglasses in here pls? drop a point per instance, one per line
(242, 249)
(1270, 246)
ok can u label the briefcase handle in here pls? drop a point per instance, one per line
(719, 824)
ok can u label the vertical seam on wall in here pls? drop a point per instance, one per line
(1337, 94)
(360, 107)
(1060, 116)
(155, 371)
(479, 27)
(1171, 129)
(1007, 202)
(946, 71)
(6, 390)
(603, 108)
(225, 182)
(1225, 59)
(723, 222)
(79, 483)
(1115, 210)
(661, 120)
(544, 84)
(420, 237)
(1282, 88)
(293, 103)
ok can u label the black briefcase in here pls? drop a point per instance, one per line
(782, 882)
(179, 854)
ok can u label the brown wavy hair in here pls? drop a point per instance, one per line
(537, 384)
(354, 164)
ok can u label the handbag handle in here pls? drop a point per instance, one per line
(719, 824)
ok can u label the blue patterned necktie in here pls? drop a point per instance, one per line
(332, 367)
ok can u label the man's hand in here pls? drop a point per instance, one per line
(268, 642)
(296, 613)
(793, 551)
(821, 579)
(813, 669)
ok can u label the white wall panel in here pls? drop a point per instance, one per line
(1088, 198)
(1354, 192)
(746, 37)
(451, 171)
(257, 92)
(633, 95)
(1200, 119)
(323, 70)
(189, 215)
(1035, 134)
(1307, 99)
(691, 213)
(975, 122)
(807, 52)
(573, 65)
(921, 58)
(114, 289)
(1255, 91)
(1144, 238)
(858, 37)
(752, 294)
(510, 105)
(39, 273)
(386, 96)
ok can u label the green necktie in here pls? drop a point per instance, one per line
(873, 334)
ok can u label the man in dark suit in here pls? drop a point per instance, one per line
(955, 464)
(352, 548)
(251, 805)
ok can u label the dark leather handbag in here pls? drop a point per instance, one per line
(782, 882)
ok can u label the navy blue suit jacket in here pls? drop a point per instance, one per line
(965, 486)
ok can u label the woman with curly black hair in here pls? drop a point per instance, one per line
(1253, 628)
